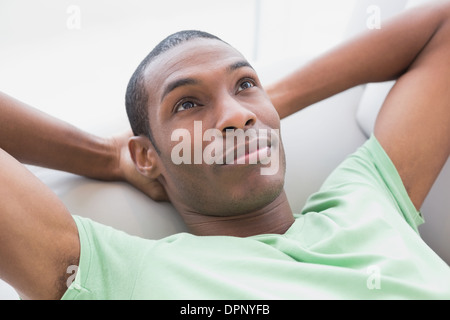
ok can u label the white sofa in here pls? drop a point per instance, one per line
(316, 141)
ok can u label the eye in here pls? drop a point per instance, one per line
(186, 105)
(246, 84)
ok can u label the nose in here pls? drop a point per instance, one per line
(233, 115)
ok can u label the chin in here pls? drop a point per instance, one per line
(247, 199)
(232, 191)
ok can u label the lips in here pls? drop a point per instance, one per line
(254, 151)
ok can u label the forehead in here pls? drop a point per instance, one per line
(188, 59)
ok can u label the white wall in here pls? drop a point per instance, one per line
(291, 27)
(73, 58)
(78, 70)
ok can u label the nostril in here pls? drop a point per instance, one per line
(250, 122)
(229, 128)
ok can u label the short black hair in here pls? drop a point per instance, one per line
(136, 98)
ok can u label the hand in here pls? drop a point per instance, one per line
(127, 170)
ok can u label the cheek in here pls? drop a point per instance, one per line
(181, 158)
(264, 109)
(184, 147)
(189, 186)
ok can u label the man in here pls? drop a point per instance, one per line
(356, 238)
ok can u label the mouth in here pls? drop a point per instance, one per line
(248, 158)
(255, 151)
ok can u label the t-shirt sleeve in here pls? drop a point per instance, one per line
(104, 270)
(393, 182)
(367, 176)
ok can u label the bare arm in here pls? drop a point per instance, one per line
(33, 137)
(413, 126)
(38, 237)
(375, 56)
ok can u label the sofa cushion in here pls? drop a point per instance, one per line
(370, 104)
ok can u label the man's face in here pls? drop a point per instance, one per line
(201, 85)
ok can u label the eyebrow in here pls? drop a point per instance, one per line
(238, 65)
(178, 83)
(191, 81)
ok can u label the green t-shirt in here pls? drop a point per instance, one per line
(356, 238)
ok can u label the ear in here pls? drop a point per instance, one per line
(144, 156)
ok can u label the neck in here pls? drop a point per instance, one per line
(275, 218)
